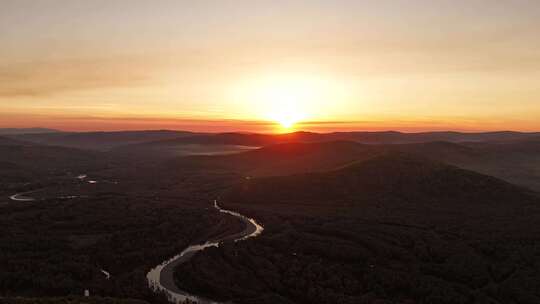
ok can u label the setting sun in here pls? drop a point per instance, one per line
(287, 99)
(287, 104)
(286, 120)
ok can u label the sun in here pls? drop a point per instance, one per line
(286, 123)
(286, 100)
(287, 120)
(286, 107)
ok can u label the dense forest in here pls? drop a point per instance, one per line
(58, 248)
(392, 230)
(70, 300)
(344, 222)
(120, 216)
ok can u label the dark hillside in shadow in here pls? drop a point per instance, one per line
(392, 229)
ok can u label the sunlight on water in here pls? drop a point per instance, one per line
(154, 276)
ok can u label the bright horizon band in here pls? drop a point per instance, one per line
(266, 66)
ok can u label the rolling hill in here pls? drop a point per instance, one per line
(389, 137)
(282, 159)
(21, 162)
(6, 141)
(393, 229)
(18, 131)
(141, 140)
(101, 140)
(391, 180)
(513, 161)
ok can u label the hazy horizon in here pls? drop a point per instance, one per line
(228, 129)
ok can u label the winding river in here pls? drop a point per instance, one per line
(161, 278)
(21, 197)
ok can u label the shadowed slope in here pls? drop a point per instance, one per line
(21, 162)
(392, 178)
(392, 229)
(5, 141)
(514, 161)
(284, 159)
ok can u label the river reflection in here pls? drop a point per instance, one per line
(160, 278)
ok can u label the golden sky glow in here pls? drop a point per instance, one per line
(250, 65)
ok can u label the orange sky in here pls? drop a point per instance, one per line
(243, 65)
